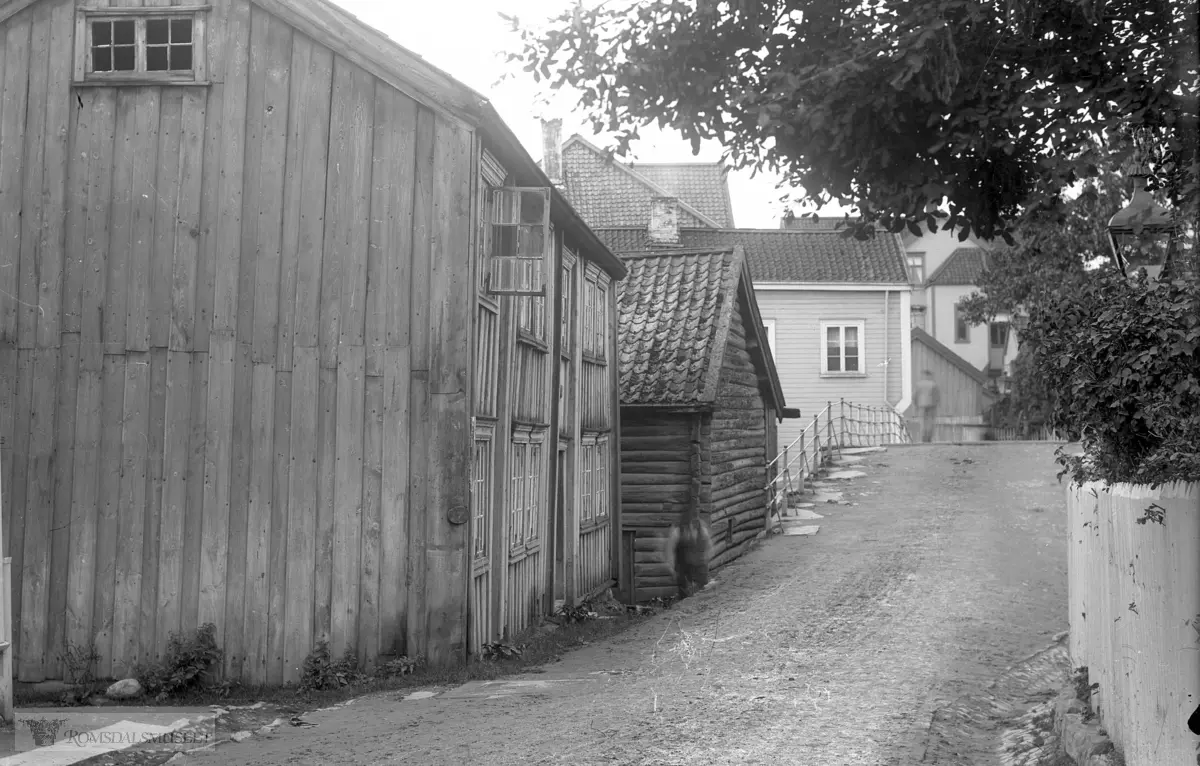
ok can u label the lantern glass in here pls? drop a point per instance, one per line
(1147, 250)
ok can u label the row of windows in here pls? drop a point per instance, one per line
(526, 486)
(166, 45)
(841, 343)
(841, 347)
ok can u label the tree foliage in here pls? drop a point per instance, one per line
(1124, 360)
(1054, 247)
(985, 109)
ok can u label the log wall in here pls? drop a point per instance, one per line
(234, 354)
(656, 449)
(737, 451)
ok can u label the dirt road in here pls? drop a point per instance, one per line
(947, 568)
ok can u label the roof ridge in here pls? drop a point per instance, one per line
(660, 191)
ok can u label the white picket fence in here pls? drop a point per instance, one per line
(840, 425)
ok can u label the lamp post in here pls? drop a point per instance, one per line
(1141, 233)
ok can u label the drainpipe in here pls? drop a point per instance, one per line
(887, 342)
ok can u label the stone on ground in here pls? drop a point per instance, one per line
(126, 688)
(806, 531)
(845, 475)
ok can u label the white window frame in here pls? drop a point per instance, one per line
(842, 324)
(769, 325)
(959, 316)
(919, 258)
(197, 75)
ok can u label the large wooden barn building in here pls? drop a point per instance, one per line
(295, 339)
(700, 404)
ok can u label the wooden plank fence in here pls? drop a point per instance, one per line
(1134, 596)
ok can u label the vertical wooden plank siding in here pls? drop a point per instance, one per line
(276, 615)
(12, 170)
(451, 295)
(39, 499)
(302, 513)
(28, 245)
(419, 404)
(395, 507)
(52, 257)
(156, 259)
(237, 309)
(61, 524)
(348, 499)
(130, 529)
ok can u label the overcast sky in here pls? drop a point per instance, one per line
(462, 38)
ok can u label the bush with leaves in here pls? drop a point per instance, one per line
(185, 664)
(321, 671)
(1124, 358)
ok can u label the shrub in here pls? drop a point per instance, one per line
(322, 672)
(184, 665)
(1124, 359)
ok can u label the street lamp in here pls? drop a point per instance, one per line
(1141, 233)
(1020, 322)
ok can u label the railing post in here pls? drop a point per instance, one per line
(842, 422)
(816, 443)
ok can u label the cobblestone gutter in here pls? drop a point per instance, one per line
(1010, 720)
(1083, 739)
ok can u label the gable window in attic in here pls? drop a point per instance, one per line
(916, 268)
(841, 348)
(137, 46)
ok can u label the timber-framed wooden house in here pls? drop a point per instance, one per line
(295, 339)
(700, 403)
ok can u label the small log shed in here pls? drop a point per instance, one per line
(700, 405)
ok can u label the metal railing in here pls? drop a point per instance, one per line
(837, 426)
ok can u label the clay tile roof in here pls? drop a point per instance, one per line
(700, 184)
(671, 309)
(606, 192)
(779, 255)
(964, 267)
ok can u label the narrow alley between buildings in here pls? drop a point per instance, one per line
(928, 588)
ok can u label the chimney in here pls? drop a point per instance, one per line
(552, 150)
(664, 220)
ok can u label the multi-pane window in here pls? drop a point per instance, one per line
(166, 45)
(519, 241)
(595, 315)
(998, 334)
(962, 330)
(916, 268)
(114, 45)
(594, 477)
(525, 488)
(481, 494)
(841, 348)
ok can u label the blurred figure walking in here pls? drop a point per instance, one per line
(927, 402)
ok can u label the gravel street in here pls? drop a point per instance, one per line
(946, 568)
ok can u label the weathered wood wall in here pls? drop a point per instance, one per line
(233, 354)
(737, 451)
(656, 479)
